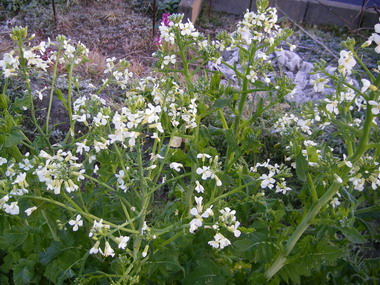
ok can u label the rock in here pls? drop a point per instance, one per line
(292, 66)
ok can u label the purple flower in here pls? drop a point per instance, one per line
(165, 19)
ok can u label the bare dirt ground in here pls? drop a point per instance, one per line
(115, 28)
(107, 28)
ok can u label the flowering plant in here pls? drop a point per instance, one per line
(167, 184)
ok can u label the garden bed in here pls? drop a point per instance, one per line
(189, 165)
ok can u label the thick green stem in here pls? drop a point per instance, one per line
(314, 210)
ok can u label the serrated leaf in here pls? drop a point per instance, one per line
(206, 272)
(22, 103)
(51, 253)
(220, 103)
(14, 137)
(23, 272)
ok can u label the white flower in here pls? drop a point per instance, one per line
(145, 252)
(335, 202)
(347, 162)
(233, 229)
(3, 160)
(4, 200)
(281, 187)
(29, 211)
(199, 188)
(268, 181)
(218, 181)
(12, 209)
(219, 241)
(101, 145)
(309, 143)
(376, 39)
(78, 222)
(176, 166)
(203, 156)
(366, 84)
(252, 76)
(21, 180)
(81, 147)
(194, 225)
(169, 59)
(338, 179)
(377, 28)
(95, 249)
(319, 83)
(199, 216)
(358, 182)
(304, 125)
(376, 107)
(228, 216)
(122, 241)
(206, 172)
(108, 251)
(332, 107)
(346, 62)
(100, 119)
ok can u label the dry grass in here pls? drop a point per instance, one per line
(6, 44)
(96, 65)
(138, 68)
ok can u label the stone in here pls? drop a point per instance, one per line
(190, 9)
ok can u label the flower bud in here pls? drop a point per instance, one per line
(372, 87)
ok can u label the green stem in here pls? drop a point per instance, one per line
(69, 107)
(145, 200)
(313, 191)
(99, 182)
(52, 88)
(25, 73)
(314, 210)
(222, 119)
(78, 210)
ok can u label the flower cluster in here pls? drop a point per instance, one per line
(60, 170)
(173, 27)
(9, 64)
(16, 183)
(274, 172)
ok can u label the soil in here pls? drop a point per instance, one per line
(115, 28)
(107, 28)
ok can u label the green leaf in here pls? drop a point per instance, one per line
(302, 167)
(353, 235)
(230, 139)
(23, 272)
(23, 102)
(51, 253)
(14, 137)
(13, 238)
(215, 81)
(206, 272)
(61, 98)
(369, 213)
(220, 103)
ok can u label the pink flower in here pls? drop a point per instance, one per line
(165, 19)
